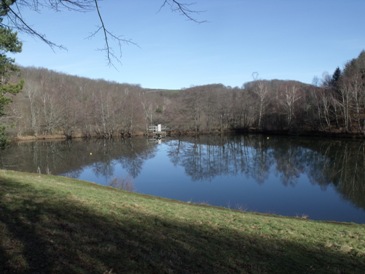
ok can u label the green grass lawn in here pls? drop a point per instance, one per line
(51, 224)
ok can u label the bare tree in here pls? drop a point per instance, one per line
(262, 92)
(292, 95)
(31, 93)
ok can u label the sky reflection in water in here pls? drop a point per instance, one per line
(320, 179)
(189, 180)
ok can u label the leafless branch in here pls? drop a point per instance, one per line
(58, 5)
(16, 21)
(182, 8)
(110, 55)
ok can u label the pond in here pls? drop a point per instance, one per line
(315, 178)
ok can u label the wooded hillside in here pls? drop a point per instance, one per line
(54, 103)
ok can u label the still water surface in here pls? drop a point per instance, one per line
(322, 179)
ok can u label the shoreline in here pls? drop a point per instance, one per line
(178, 133)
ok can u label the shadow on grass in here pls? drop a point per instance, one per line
(58, 235)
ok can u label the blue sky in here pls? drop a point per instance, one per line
(278, 39)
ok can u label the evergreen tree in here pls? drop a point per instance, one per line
(334, 83)
(336, 77)
(8, 86)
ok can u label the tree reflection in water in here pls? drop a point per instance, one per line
(71, 157)
(339, 163)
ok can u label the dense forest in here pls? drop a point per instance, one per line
(52, 103)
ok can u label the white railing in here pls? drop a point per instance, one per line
(158, 128)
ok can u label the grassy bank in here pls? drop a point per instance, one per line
(52, 224)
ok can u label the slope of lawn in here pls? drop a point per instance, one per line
(51, 224)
